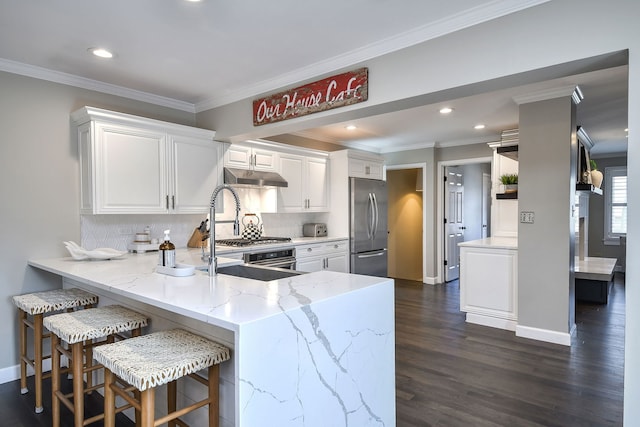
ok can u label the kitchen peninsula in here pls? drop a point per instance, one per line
(314, 349)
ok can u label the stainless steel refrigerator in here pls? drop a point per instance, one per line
(368, 226)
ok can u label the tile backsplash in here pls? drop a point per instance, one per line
(117, 231)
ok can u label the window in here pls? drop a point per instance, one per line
(615, 204)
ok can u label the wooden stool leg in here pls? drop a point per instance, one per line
(214, 398)
(147, 405)
(109, 400)
(37, 363)
(89, 363)
(78, 384)
(172, 394)
(22, 326)
(55, 380)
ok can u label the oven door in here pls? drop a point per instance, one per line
(280, 258)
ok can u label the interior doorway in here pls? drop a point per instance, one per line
(406, 223)
(461, 215)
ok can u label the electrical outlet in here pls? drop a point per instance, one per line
(527, 217)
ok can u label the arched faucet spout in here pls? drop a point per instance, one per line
(213, 260)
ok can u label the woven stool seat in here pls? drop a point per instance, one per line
(161, 357)
(31, 310)
(56, 300)
(95, 323)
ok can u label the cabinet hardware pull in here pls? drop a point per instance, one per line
(167, 202)
(173, 202)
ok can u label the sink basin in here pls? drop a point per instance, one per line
(264, 274)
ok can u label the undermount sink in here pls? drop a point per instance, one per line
(264, 274)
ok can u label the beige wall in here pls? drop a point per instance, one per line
(39, 183)
(405, 225)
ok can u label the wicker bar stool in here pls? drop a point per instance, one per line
(36, 305)
(155, 359)
(80, 330)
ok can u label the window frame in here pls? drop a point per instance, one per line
(609, 172)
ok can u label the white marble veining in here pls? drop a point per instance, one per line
(316, 349)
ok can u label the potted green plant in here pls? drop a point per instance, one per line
(510, 182)
(596, 175)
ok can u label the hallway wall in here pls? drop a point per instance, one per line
(405, 225)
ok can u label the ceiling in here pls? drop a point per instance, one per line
(197, 56)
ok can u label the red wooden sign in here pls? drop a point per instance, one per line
(333, 92)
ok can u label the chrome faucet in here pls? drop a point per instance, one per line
(213, 260)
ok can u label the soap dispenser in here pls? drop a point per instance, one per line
(167, 252)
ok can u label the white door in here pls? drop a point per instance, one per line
(486, 205)
(454, 221)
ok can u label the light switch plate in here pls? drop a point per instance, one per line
(527, 217)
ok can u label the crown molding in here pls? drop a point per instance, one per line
(95, 85)
(474, 16)
(557, 92)
(407, 147)
(468, 18)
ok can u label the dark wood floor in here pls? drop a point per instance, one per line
(451, 373)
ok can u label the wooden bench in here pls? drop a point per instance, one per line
(594, 278)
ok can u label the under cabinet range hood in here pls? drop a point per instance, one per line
(254, 178)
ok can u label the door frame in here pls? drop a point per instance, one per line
(440, 208)
(422, 166)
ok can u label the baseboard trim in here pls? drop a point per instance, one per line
(494, 322)
(546, 335)
(12, 373)
(430, 280)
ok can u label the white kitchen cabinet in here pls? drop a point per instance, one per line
(332, 256)
(489, 282)
(308, 183)
(249, 157)
(134, 165)
(365, 168)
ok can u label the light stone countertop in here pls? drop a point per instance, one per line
(224, 301)
(492, 243)
(595, 268)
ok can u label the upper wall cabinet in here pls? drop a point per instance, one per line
(361, 164)
(308, 183)
(135, 165)
(248, 157)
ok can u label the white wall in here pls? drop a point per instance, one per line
(39, 184)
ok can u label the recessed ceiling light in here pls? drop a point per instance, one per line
(352, 127)
(446, 110)
(102, 53)
(194, 1)
(626, 130)
(479, 126)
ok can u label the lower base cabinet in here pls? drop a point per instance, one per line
(488, 286)
(331, 256)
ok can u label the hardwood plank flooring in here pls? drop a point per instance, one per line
(452, 373)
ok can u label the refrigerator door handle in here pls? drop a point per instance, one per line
(375, 214)
(381, 253)
(370, 218)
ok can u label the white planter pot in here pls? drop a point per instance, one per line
(596, 178)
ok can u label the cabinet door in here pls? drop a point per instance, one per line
(264, 160)
(338, 262)
(361, 168)
(238, 156)
(337, 258)
(317, 184)
(291, 198)
(310, 264)
(194, 174)
(130, 170)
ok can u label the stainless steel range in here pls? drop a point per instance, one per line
(252, 242)
(276, 258)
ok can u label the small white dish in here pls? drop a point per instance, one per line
(180, 270)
